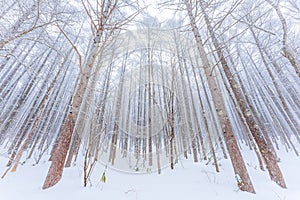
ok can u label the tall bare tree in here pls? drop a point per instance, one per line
(266, 150)
(105, 22)
(232, 146)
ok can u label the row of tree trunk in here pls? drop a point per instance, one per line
(148, 96)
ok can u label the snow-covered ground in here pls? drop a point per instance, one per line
(189, 180)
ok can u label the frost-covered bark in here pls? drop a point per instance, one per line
(54, 97)
(266, 150)
(287, 52)
(102, 29)
(232, 146)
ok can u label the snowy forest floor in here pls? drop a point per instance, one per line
(189, 180)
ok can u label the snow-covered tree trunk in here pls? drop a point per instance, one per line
(58, 156)
(266, 151)
(287, 52)
(103, 28)
(232, 146)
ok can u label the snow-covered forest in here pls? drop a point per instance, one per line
(143, 86)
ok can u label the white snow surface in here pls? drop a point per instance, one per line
(188, 180)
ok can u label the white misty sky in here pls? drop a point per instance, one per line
(162, 14)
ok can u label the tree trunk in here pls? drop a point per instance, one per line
(265, 149)
(59, 153)
(232, 146)
(285, 47)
